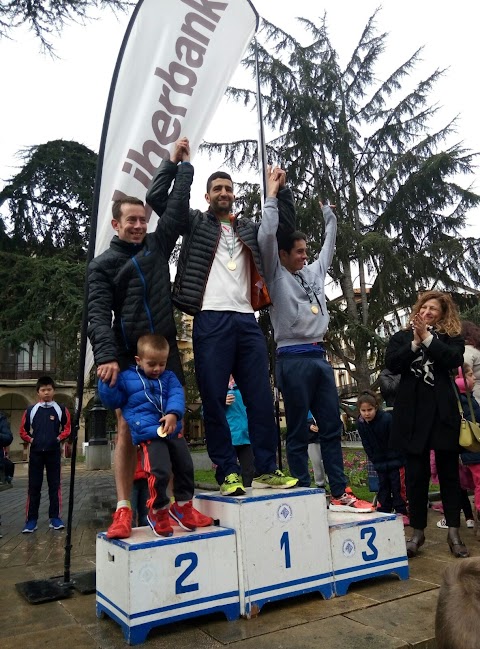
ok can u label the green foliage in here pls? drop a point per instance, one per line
(50, 199)
(43, 240)
(47, 17)
(41, 301)
(367, 146)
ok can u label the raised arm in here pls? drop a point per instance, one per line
(267, 232)
(324, 259)
(172, 207)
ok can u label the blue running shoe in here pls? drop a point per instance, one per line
(30, 526)
(56, 524)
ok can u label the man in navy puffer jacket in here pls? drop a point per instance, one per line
(131, 280)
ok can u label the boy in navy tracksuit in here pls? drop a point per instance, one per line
(44, 426)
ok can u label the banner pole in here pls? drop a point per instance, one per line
(262, 167)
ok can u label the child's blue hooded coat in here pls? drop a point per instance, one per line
(139, 399)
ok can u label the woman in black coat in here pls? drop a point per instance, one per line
(425, 415)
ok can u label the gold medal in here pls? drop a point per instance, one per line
(160, 432)
(231, 265)
(314, 309)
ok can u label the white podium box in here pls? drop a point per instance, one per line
(365, 546)
(282, 542)
(146, 581)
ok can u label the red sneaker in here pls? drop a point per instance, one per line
(121, 528)
(160, 522)
(200, 519)
(348, 502)
(183, 514)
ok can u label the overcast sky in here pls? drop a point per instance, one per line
(45, 99)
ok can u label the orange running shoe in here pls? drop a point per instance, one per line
(160, 522)
(183, 515)
(348, 502)
(200, 519)
(121, 528)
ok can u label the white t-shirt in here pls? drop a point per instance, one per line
(229, 290)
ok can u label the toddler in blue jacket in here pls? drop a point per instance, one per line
(374, 427)
(152, 401)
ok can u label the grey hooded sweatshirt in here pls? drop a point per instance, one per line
(293, 320)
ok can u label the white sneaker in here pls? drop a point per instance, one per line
(470, 523)
(442, 524)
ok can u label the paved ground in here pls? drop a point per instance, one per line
(383, 613)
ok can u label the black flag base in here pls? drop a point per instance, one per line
(85, 582)
(40, 591)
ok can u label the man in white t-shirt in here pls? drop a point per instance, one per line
(220, 282)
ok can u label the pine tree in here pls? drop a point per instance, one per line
(47, 17)
(50, 199)
(366, 146)
(43, 241)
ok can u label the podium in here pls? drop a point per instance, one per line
(272, 544)
(365, 546)
(146, 581)
(282, 541)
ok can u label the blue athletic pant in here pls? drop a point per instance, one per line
(224, 343)
(38, 462)
(307, 383)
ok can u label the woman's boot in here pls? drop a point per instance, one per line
(455, 543)
(414, 542)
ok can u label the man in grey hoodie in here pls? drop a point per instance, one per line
(300, 319)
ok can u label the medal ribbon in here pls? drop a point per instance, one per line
(308, 290)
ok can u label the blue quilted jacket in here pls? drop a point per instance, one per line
(140, 399)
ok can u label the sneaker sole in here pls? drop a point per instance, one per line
(237, 492)
(182, 525)
(161, 536)
(29, 531)
(262, 485)
(119, 536)
(351, 510)
(52, 527)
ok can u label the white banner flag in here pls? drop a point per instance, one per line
(174, 65)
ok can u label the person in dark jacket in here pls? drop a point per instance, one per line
(6, 438)
(388, 384)
(45, 425)
(374, 426)
(131, 280)
(153, 404)
(220, 281)
(425, 414)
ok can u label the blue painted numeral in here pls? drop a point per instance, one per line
(371, 532)
(180, 587)
(285, 543)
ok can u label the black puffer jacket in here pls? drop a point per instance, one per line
(201, 235)
(133, 281)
